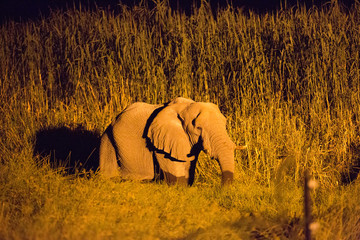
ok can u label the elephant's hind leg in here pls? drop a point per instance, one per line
(108, 161)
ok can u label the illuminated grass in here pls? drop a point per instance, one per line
(288, 82)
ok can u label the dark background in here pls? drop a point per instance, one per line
(22, 10)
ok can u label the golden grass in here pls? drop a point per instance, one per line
(288, 82)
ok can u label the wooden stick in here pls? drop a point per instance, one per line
(307, 206)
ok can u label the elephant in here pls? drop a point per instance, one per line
(147, 140)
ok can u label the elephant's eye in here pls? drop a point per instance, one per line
(193, 122)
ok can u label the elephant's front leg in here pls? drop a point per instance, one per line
(175, 172)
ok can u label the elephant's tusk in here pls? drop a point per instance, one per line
(240, 147)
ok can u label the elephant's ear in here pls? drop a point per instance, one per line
(166, 133)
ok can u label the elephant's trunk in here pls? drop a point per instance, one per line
(227, 165)
(222, 149)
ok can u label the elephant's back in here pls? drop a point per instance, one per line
(134, 116)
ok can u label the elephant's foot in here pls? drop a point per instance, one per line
(174, 180)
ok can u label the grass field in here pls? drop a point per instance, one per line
(288, 83)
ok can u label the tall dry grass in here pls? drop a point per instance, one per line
(288, 82)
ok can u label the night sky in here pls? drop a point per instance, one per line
(25, 9)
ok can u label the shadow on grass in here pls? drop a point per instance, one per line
(72, 150)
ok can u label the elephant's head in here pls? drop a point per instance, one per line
(184, 127)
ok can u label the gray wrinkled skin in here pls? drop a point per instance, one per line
(146, 141)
